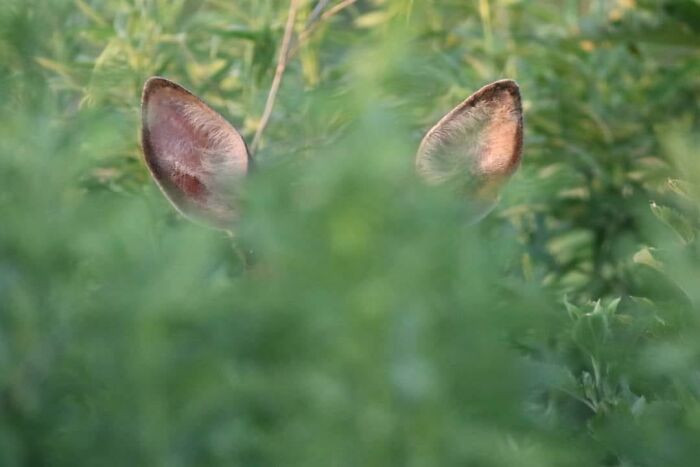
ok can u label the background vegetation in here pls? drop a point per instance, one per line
(376, 328)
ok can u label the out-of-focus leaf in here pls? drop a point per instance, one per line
(238, 31)
(91, 12)
(685, 11)
(676, 221)
(645, 256)
(373, 19)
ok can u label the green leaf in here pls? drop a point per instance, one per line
(676, 221)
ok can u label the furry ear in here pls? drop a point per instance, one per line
(478, 144)
(196, 157)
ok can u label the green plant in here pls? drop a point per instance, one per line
(378, 329)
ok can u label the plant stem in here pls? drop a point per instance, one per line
(279, 72)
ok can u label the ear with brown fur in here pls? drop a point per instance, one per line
(195, 156)
(478, 144)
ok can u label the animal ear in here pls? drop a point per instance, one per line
(478, 144)
(195, 156)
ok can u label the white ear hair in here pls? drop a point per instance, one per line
(478, 144)
(196, 157)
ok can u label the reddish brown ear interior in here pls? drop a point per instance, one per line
(479, 143)
(196, 157)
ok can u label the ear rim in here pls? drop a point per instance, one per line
(152, 85)
(484, 93)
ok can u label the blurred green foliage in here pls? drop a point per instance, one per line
(375, 328)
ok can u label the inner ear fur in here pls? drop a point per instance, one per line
(478, 143)
(195, 156)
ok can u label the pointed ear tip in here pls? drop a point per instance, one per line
(156, 81)
(508, 85)
(151, 84)
(154, 84)
(508, 82)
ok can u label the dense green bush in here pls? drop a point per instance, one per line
(375, 327)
